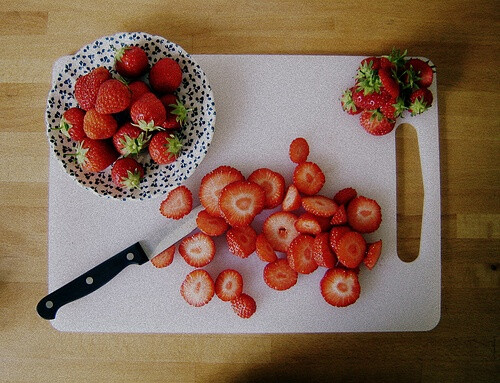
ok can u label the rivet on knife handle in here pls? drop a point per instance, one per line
(90, 281)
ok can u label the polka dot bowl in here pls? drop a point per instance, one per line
(194, 92)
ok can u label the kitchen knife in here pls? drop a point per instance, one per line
(136, 254)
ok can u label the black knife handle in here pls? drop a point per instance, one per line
(91, 280)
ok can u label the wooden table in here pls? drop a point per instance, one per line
(460, 37)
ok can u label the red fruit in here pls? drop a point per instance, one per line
(307, 223)
(241, 241)
(420, 101)
(127, 173)
(71, 124)
(340, 287)
(113, 97)
(300, 254)
(99, 126)
(369, 101)
(392, 110)
(389, 83)
(344, 196)
(137, 89)
(198, 288)
(95, 155)
(165, 258)
(244, 306)
(129, 140)
(178, 203)
(299, 150)
(372, 62)
(198, 250)
(241, 201)
(347, 102)
(422, 72)
(319, 205)
(364, 214)
(351, 249)
(278, 275)
(335, 234)
(148, 112)
(165, 75)
(386, 64)
(87, 87)
(165, 148)
(324, 223)
(273, 184)
(322, 252)
(376, 123)
(210, 225)
(373, 254)
(228, 285)
(340, 216)
(131, 61)
(292, 200)
(212, 184)
(176, 112)
(308, 178)
(264, 250)
(279, 229)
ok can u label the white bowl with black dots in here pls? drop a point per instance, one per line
(194, 92)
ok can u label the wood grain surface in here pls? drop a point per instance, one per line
(460, 37)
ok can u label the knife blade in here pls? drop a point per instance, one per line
(137, 254)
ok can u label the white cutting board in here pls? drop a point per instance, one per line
(263, 102)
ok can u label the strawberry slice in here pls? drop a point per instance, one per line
(241, 201)
(264, 250)
(364, 214)
(210, 225)
(228, 285)
(178, 203)
(319, 205)
(279, 229)
(322, 252)
(340, 287)
(273, 184)
(299, 150)
(351, 249)
(340, 216)
(335, 234)
(278, 275)
(373, 254)
(307, 223)
(165, 258)
(198, 250)
(198, 288)
(300, 254)
(241, 240)
(244, 306)
(308, 178)
(344, 196)
(292, 200)
(212, 184)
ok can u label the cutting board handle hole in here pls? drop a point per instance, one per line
(410, 193)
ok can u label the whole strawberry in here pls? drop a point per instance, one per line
(129, 140)
(164, 148)
(131, 61)
(87, 87)
(369, 100)
(127, 172)
(420, 101)
(165, 75)
(148, 112)
(375, 123)
(137, 89)
(95, 155)
(347, 102)
(99, 126)
(176, 111)
(71, 124)
(419, 72)
(113, 97)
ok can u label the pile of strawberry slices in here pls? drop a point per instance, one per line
(119, 118)
(304, 232)
(386, 88)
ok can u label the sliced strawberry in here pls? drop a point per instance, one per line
(165, 258)
(210, 225)
(178, 203)
(364, 214)
(373, 254)
(273, 184)
(307, 223)
(324, 223)
(198, 288)
(241, 201)
(335, 234)
(198, 250)
(244, 306)
(279, 229)
(351, 249)
(241, 241)
(278, 275)
(340, 216)
(389, 83)
(308, 177)
(228, 285)
(344, 196)
(340, 287)
(212, 184)
(300, 254)
(292, 200)
(322, 252)
(299, 150)
(319, 205)
(264, 250)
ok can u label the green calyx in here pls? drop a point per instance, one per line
(173, 145)
(133, 146)
(64, 127)
(120, 52)
(132, 179)
(80, 154)
(180, 111)
(368, 79)
(148, 127)
(418, 106)
(397, 57)
(347, 101)
(399, 107)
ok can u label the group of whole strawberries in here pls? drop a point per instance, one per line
(386, 87)
(118, 118)
(306, 231)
